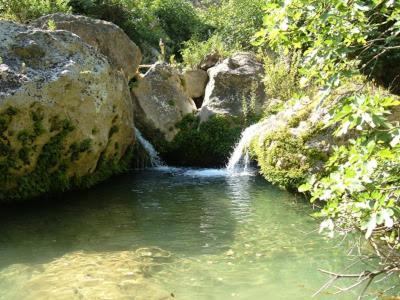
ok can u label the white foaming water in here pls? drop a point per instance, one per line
(239, 161)
(205, 172)
(155, 159)
(192, 172)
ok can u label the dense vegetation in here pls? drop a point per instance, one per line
(338, 41)
(223, 26)
(191, 147)
(319, 48)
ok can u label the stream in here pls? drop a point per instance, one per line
(168, 233)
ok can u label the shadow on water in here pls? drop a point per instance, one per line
(192, 213)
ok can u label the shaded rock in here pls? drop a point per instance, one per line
(161, 100)
(235, 87)
(107, 37)
(209, 61)
(64, 112)
(195, 83)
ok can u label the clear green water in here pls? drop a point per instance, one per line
(183, 234)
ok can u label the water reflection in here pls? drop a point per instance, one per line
(238, 189)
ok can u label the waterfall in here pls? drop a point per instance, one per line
(155, 160)
(240, 158)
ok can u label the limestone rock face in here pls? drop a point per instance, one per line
(161, 100)
(106, 37)
(195, 83)
(64, 111)
(234, 84)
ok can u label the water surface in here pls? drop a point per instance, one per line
(167, 234)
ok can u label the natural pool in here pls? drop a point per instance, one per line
(164, 234)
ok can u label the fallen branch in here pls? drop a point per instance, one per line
(365, 276)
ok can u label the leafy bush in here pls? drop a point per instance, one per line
(194, 50)
(26, 10)
(231, 24)
(179, 20)
(236, 21)
(207, 144)
(282, 78)
(360, 185)
(361, 189)
(337, 39)
(147, 21)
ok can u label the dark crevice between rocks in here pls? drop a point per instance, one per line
(198, 101)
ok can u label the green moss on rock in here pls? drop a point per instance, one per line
(50, 173)
(106, 167)
(282, 159)
(288, 154)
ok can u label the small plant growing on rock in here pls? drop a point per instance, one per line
(51, 25)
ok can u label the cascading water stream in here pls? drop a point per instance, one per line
(155, 159)
(240, 159)
(239, 162)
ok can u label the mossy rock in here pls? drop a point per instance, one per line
(66, 115)
(286, 160)
(293, 143)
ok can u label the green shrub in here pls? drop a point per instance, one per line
(231, 24)
(207, 144)
(282, 78)
(194, 50)
(236, 21)
(135, 18)
(358, 190)
(26, 10)
(179, 20)
(282, 159)
(147, 22)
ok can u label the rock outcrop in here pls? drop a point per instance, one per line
(195, 83)
(106, 37)
(292, 144)
(161, 100)
(235, 87)
(65, 114)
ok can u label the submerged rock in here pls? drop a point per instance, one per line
(106, 37)
(161, 100)
(235, 87)
(89, 275)
(65, 114)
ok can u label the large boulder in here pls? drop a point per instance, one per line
(235, 87)
(195, 83)
(65, 114)
(161, 100)
(107, 37)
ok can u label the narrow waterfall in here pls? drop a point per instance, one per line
(240, 158)
(155, 159)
